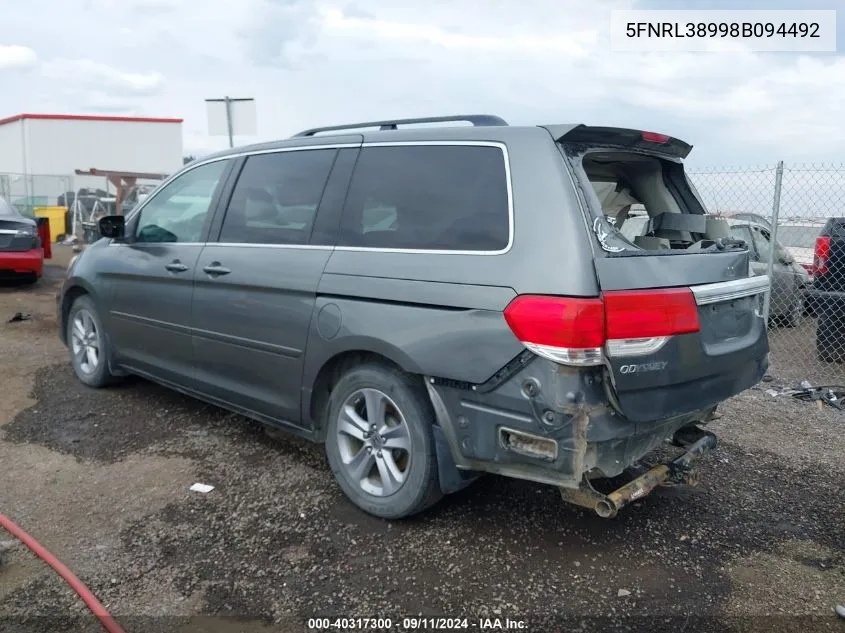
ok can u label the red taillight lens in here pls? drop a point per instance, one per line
(654, 137)
(571, 324)
(631, 314)
(557, 321)
(821, 255)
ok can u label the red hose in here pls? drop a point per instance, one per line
(82, 591)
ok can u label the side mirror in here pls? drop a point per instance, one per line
(112, 226)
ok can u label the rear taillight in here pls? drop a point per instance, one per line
(565, 330)
(821, 256)
(645, 313)
(654, 137)
(576, 331)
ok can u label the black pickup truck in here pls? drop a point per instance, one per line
(829, 291)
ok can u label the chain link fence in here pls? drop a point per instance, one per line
(780, 211)
(29, 191)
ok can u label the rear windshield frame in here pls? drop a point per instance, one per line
(611, 241)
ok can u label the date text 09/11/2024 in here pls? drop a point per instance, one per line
(722, 29)
(416, 624)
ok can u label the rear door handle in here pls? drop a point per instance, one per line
(176, 266)
(215, 269)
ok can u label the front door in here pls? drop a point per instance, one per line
(151, 276)
(255, 289)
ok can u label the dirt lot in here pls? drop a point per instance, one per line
(101, 478)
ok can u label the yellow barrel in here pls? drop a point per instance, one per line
(57, 216)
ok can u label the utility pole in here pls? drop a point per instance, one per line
(228, 101)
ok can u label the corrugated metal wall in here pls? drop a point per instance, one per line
(11, 148)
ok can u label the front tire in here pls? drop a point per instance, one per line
(88, 344)
(379, 441)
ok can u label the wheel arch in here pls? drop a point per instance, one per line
(70, 294)
(319, 388)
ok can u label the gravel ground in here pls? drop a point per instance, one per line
(101, 478)
(794, 357)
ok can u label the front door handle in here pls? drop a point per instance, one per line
(176, 266)
(215, 269)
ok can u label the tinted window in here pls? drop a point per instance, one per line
(427, 197)
(276, 197)
(178, 212)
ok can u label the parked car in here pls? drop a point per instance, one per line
(829, 291)
(21, 255)
(756, 218)
(799, 238)
(790, 282)
(453, 303)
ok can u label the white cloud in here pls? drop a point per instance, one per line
(569, 43)
(14, 56)
(312, 62)
(88, 72)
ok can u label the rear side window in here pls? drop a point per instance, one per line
(276, 197)
(428, 197)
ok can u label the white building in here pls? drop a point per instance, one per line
(48, 148)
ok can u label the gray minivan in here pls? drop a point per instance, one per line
(434, 303)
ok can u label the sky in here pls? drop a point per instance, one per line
(322, 62)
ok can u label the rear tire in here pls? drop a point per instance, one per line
(830, 342)
(793, 317)
(88, 344)
(379, 441)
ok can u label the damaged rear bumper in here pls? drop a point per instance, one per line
(678, 471)
(555, 425)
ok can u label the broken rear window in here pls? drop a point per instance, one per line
(642, 202)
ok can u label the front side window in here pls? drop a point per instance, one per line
(761, 244)
(428, 198)
(276, 197)
(178, 212)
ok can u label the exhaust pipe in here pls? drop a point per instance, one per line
(677, 471)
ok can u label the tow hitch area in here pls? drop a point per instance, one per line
(678, 471)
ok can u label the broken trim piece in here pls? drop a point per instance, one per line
(602, 235)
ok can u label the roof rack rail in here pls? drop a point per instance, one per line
(476, 119)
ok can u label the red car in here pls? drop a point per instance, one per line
(21, 252)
